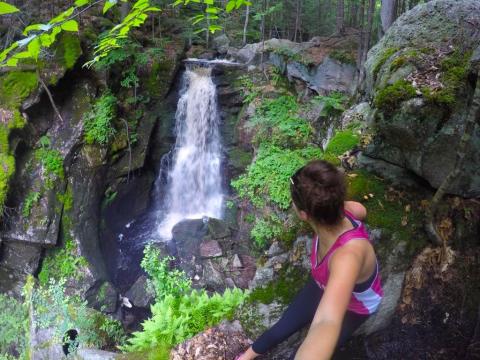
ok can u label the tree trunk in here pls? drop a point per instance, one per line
(387, 14)
(297, 19)
(245, 25)
(340, 17)
(362, 35)
(367, 37)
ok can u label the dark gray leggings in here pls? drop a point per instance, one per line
(300, 313)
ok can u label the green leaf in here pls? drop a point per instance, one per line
(62, 16)
(70, 25)
(211, 10)
(178, 2)
(81, 2)
(5, 52)
(208, 2)
(108, 5)
(7, 8)
(12, 62)
(230, 6)
(34, 48)
(213, 28)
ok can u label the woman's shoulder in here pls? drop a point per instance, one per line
(355, 209)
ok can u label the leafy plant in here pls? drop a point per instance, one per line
(265, 230)
(163, 281)
(13, 320)
(31, 199)
(52, 163)
(175, 319)
(334, 103)
(98, 122)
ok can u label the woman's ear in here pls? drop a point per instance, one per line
(303, 215)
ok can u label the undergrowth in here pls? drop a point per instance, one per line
(99, 128)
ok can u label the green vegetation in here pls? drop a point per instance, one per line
(163, 281)
(32, 198)
(267, 179)
(16, 86)
(391, 96)
(266, 229)
(179, 313)
(342, 142)
(390, 213)
(13, 324)
(334, 103)
(401, 60)
(382, 59)
(65, 262)
(69, 47)
(453, 76)
(52, 162)
(277, 121)
(7, 169)
(343, 56)
(98, 122)
(249, 90)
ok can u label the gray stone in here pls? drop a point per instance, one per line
(277, 262)
(20, 257)
(262, 277)
(221, 44)
(236, 262)
(218, 229)
(212, 277)
(103, 296)
(418, 135)
(95, 354)
(210, 249)
(359, 113)
(275, 249)
(139, 295)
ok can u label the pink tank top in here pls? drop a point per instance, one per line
(362, 302)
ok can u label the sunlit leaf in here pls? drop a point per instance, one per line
(63, 16)
(230, 6)
(6, 8)
(12, 62)
(108, 5)
(81, 2)
(70, 25)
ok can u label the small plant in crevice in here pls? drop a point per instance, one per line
(32, 198)
(98, 127)
(52, 163)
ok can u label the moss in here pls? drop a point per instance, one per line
(342, 142)
(406, 57)
(384, 212)
(67, 199)
(7, 169)
(382, 59)
(70, 49)
(15, 87)
(283, 289)
(160, 72)
(343, 56)
(17, 121)
(388, 99)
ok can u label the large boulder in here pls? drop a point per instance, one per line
(418, 78)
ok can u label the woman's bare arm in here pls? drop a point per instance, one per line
(322, 337)
(357, 209)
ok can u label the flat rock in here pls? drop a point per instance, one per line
(210, 249)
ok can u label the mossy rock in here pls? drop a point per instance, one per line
(389, 98)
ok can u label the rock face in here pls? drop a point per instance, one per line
(322, 65)
(207, 252)
(418, 77)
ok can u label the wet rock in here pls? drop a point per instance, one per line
(95, 354)
(103, 297)
(262, 277)
(236, 262)
(360, 113)
(20, 257)
(212, 277)
(218, 229)
(139, 294)
(275, 249)
(210, 249)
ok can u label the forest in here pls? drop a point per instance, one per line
(160, 187)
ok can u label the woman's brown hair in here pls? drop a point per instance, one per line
(319, 189)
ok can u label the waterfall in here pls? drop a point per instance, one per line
(193, 181)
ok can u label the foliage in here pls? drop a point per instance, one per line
(52, 163)
(334, 103)
(388, 99)
(276, 120)
(163, 281)
(268, 177)
(32, 198)
(266, 229)
(62, 264)
(175, 319)
(53, 308)
(453, 76)
(249, 90)
(13, 321)
(98, 121)
(7, 169)
(343, 56)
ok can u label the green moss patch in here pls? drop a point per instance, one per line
(7, 169)
(16, 86)
(382, 59)
(342, 142)
(389, 98)
(69, 49)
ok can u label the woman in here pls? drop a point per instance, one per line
(344, 287)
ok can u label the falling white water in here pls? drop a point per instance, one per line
(194, 187)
